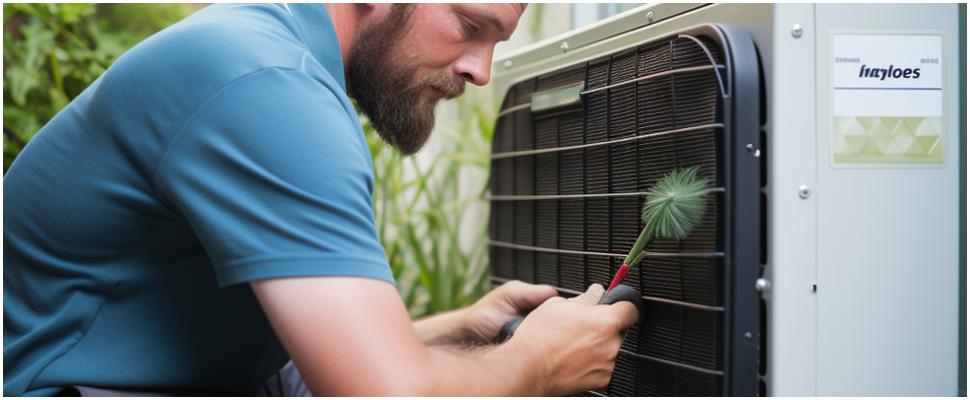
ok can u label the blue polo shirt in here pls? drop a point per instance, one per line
(219, 151)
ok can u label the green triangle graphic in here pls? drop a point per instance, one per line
(867, 123)
(927, 143)
(882, 142)
(870, 149)
(855, 143)
(912, 123)
(892, 122)
(880, 129)
(900, 128)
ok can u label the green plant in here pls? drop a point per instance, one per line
(51, 52)
(429, 221)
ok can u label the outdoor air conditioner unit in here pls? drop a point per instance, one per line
(831, 259)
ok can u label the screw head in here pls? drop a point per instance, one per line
(762, 284)
(508, 64)
(750, 148)
(748, 336)
(649, 17)
(804, 191)
(796, 31)
(564, 46)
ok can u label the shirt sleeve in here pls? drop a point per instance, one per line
(274, 177)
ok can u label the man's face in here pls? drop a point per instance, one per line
(400, 67)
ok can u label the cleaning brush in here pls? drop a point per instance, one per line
(673, 207)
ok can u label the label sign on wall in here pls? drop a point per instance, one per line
(887, 98)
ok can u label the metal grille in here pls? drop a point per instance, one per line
(568, 183)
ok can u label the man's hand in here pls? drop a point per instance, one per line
(576, 339)
(486, 317)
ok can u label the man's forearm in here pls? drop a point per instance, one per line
(447, 328)
(460, 364)
(491, 370)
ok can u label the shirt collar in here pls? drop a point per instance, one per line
(318, 32)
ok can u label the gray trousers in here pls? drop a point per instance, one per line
(285, 382)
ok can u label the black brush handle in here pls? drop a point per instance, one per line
(509, 328)
(624, 293)
(619, 293)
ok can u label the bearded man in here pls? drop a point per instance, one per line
(202, 213)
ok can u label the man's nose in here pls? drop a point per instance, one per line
(475, 66)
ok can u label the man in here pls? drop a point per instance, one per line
(202, 213)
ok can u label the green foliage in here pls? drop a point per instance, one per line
(52, 52)
(423, 210)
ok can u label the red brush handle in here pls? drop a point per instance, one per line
(620, 275)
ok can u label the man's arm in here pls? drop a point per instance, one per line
(353, 336)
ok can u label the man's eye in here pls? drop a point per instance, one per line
(470, 28)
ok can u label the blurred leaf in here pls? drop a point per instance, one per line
(72, 12)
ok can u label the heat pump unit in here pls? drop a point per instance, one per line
(830, 259)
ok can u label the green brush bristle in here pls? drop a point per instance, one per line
(675, 204)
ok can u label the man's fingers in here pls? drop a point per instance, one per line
(526, 297)
(624, 313)
(592, 295)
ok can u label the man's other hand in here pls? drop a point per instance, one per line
(486, 317)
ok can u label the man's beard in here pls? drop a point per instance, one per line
(385, 92)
